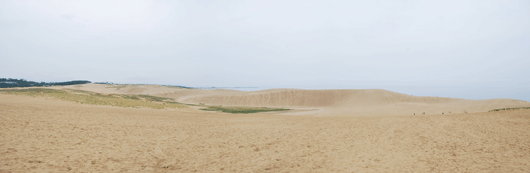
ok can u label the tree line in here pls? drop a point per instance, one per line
(9, 82)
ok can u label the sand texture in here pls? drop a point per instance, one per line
(358, 102)
(341, 131)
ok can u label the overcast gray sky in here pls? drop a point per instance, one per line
(272, 43)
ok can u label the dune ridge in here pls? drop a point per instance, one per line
(49, 135)
(320, 102)
(334, 131)
(355, 102)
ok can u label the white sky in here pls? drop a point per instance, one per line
(273, 43)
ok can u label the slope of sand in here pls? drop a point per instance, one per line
(46, 135)
(319, 102)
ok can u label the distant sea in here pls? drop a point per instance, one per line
(474, 93)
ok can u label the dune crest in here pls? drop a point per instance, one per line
(320, 102)
(355, 102)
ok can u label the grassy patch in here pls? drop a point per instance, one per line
(154, 98)
(241, 110)
(127, 100)
(130, 96)
(77, 91)
(93, 98)
(503, 109)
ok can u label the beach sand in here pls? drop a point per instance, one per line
(328, 131)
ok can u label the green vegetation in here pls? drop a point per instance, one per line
(127, 100)
(509, 109)
(93, 98)
(73, 90)
(8, 83)
(241, 110)
(131, 97)
(154, 98)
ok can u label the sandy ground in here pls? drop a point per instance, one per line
(45, 135)
(358, 102)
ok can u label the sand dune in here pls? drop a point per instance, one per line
(46, 135)
(356, 102)
(319, 102)
(334, 131)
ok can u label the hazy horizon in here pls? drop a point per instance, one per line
(271, 44)
(473, 93)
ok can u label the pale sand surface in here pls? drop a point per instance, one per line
(364, 102)
(47, 135)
